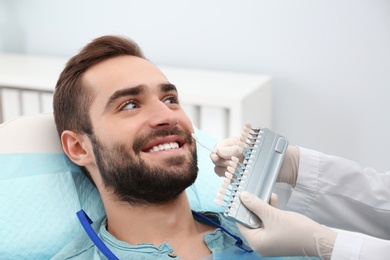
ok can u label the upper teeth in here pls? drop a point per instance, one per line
(166, 146)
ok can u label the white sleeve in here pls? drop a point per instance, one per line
(353, 246)
(339, 193)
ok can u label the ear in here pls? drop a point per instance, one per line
(77, 147)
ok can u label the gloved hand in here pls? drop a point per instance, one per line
(223, 152)
(285, 233)
(225, 149)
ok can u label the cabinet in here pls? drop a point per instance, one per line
(217, 102)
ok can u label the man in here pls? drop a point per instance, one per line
(119, 119)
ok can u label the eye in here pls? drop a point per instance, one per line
(129, 105)
(171, 100)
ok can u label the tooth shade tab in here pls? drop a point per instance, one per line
(248, 125)
(243, 137)
(231, 169)
(232, 164)
(228, 175)
(234, 159)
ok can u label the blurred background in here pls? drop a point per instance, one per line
(329, 59)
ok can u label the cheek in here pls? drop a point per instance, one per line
(186, 122)
(107, 134)
(114, 130)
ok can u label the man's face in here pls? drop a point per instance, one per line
(142, 138)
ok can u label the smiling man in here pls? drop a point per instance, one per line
(120, 120)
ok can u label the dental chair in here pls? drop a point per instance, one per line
(41, 189)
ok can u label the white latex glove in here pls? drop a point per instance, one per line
(225, 149)
(285, 233)
(289, 170)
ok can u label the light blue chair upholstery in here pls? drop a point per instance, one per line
(41, 189)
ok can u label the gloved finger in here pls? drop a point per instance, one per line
(231, 141)
(256, 205)
(246, 232)
(220, 164)
(243, 230)
(274, 200)
(226, 152)
(219, 161)
(220, 171)
(289, 170)
(253, 236)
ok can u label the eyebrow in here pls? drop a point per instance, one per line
(168, 87)
(134, 91)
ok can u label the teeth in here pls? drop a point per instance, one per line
(163, 147)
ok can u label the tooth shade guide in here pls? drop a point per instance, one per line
(263, 152)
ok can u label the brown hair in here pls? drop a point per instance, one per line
(72, 97)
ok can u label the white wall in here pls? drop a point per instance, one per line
(330, 59)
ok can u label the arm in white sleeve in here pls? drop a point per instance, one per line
(354, 246)
(339, 193)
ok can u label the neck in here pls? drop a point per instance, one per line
(146, 223)
(157, 224)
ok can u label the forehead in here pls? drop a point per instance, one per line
(123, 71)
(114, 74)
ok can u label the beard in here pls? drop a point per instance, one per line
(133, 181)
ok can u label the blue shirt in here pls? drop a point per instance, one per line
(83, 248)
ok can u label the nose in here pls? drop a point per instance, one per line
(162, 116)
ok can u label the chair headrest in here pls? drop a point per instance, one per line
(30, 134)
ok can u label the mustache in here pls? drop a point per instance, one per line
(143, 140)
